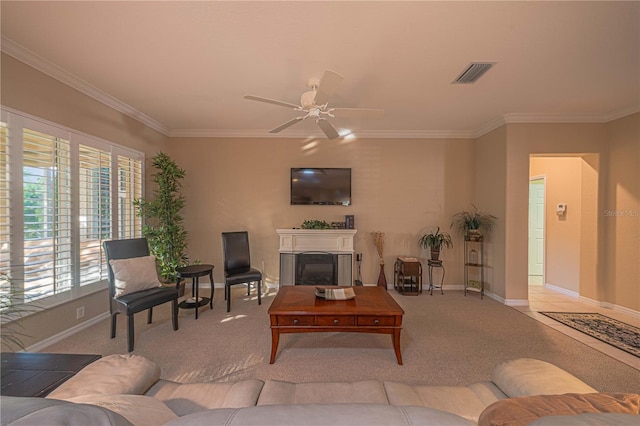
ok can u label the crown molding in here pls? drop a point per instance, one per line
(30, 58)
(488, 127)
(303, 134)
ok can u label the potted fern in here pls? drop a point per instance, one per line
(163, 225)
(435, 241)
(473, 224)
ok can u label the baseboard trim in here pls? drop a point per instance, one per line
(564, 291)
(607, 305)
(67, 333)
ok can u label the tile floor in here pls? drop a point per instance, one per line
(542, 298)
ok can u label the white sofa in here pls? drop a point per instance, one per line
(127, 389)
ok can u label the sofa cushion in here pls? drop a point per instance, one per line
(189, 398)
(23, 411)
(322, 414)
(523, 410)
(280, 392)
(113, 374)
(467, 402)
(138, 409)
(134, 274)
(526, 376)
(589, 419)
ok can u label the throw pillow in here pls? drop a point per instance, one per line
(134, 274)
(524, 410)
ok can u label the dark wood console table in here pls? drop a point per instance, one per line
(37, 374)
(296, 309)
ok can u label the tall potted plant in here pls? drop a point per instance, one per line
(435, 241)
(163, 225)
(473, 224)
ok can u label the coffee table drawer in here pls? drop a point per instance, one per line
(296, 320)
(373, 320)
(337, 320)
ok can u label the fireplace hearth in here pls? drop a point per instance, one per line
(316, 256)
(316, 268)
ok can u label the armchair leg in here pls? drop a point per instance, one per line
(114, 319)
(248, 289)
(228, 293)
(259, 292)
(150, 316)
(174, 316)
(130, 333)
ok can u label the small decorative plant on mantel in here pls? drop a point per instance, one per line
(473, 224)
(164, 228)
(435, 241)
(315, 224)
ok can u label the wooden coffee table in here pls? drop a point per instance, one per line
(296, 309)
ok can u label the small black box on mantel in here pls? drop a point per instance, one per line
(349, 221)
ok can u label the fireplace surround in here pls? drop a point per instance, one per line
(316, 257)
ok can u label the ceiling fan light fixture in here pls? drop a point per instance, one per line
(473, 72)
(314, 104)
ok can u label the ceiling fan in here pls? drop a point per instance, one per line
(314, 104)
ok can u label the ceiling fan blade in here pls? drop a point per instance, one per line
(272, 101)
(329, 83)
(287, 124)
(357, 113)
(328, 129)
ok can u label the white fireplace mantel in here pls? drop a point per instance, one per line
(334, 241)
(326, 240)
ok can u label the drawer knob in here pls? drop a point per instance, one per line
(335, 322)
(376, 322)
(295, 321)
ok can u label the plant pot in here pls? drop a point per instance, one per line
(435, 254)
(474, 235)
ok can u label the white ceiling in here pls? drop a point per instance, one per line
(183, 67)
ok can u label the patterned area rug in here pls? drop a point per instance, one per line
(616, 333)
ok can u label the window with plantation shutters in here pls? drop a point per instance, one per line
(94, 186)
(129, 189)
(46, 186)
(5, 224)
(62, 194)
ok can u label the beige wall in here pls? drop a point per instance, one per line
(490, 190)
(617, 180)
(30, 91)
(621, 214)
(589, 236)
(401, 187)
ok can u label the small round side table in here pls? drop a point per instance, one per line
(431, 264)
(195, 272)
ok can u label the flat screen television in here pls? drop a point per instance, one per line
(321, 186)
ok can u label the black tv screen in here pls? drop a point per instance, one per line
(316, 186)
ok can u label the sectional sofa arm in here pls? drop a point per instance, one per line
(527, 376)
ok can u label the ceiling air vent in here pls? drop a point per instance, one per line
(473, 72)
